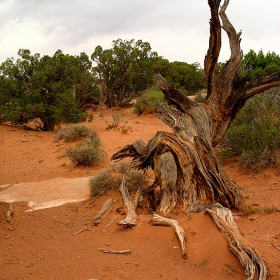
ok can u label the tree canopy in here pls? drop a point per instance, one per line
(123, 70)
(50, 90)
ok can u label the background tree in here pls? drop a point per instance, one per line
(48, 89)
(187, 77)
(257, 65)
(123, 70)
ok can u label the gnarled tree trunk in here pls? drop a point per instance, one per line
(184, 162)
(198, 177)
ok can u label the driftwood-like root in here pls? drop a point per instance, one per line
(255, 268)
(158, 220)
(125, 252)
(107, 205)
(131, 217)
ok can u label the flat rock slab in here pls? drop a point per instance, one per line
(46, 194)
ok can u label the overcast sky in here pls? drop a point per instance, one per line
(176, 29)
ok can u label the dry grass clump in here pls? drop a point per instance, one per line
(86, 152)
(75, 131)
(111, 179)
(250, 210)
(102, 183)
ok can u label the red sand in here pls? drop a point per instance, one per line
(41, 244)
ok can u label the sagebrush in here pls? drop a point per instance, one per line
(86, 152)
(148, 102)
(74, 131)
(111, 179)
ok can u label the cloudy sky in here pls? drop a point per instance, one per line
(176, 29)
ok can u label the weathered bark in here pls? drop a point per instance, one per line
(198, 128)
(106, 207)
(255, 268)
(131, 217)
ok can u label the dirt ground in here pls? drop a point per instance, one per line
(49, 243)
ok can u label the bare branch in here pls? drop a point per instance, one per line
(235, 60)
(172, 95)
(212, 55)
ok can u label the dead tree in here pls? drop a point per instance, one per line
(185, 165)
(198, 128)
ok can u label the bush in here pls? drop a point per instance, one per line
(102, 183)
(75, 131)
(134, 179)
(148, 102)
(111, 179)
(86, 153)
(254, 134)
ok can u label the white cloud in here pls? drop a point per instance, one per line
(177, 30)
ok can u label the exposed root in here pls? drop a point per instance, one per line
(131, 217)
(158, 220)
(255, 268)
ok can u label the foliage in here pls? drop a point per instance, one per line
(111, 179)
(51, 89)
(254, 134)
(86, 152)
(73, 131)
(134, 179)
(123, 70)
(257, 65)
(187, 77)
(148, 102)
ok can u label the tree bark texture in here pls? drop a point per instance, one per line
(184, 162)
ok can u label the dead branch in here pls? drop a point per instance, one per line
(137, 197)
(107, 205)
(125, 252)
(158, 220)
(278, 248)
(80, 231)
(111, 221)
(131, 217)
(255, 268)
(22, 138)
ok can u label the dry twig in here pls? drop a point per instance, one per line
(80, 231)
(111, 221)
(125, 252)
(278, 248)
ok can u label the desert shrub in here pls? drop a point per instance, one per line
(254, 134)
(148, 102)
(74, 131)
(86, 152)
(111, 179)
(102, 183)
(134, 179)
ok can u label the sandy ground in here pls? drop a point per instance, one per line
(48, 244)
